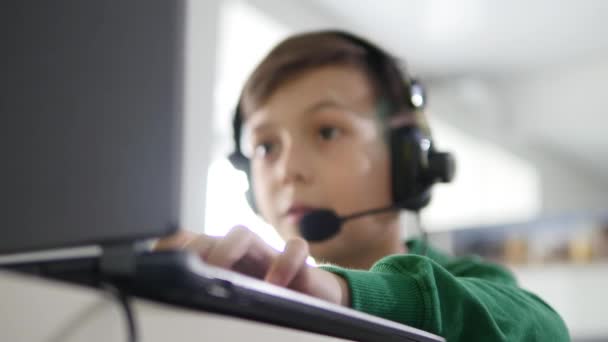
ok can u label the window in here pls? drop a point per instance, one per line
(246, 35)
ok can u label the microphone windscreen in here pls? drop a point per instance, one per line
(319, 225)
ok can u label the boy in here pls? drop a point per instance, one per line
(313, 131)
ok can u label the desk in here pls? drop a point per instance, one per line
(33, 309)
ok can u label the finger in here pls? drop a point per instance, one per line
(175, 241)
(289, 263)
(201, 245)
(233, 247)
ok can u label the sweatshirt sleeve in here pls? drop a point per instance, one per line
(462, 300)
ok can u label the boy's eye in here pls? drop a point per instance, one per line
(264, 149)
(328, 132)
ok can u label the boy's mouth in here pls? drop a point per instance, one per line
(295, 213)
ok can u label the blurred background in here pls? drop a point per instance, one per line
(516, 92)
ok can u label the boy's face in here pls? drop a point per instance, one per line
(316, 143)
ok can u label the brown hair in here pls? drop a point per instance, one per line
(307, 51)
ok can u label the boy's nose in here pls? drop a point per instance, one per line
(294, 165)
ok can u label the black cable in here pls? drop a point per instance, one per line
(125, 304)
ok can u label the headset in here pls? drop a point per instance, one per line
(415, 163)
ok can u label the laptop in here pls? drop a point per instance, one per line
(91, 95)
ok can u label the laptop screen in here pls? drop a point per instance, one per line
(90, 132)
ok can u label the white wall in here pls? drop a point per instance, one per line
(297, 15)
(562, 112)
(566, 186)
(516, 114)
(201, 41)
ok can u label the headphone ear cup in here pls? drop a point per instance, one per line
(240, 162)
(409, 189)
(442, 167)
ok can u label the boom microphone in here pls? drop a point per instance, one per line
(321, 224)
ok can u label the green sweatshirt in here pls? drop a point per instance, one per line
(461, 299)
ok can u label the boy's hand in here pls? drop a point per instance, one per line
(243, 251)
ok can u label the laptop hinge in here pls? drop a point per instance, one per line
(120, 259)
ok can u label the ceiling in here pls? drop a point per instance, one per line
(486, 36)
